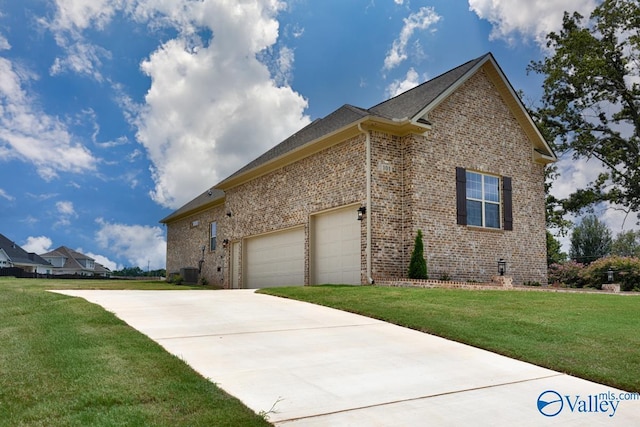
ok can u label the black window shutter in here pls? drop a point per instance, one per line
(461, 195)
(507, 203)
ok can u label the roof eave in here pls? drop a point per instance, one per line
(176, 217)
(400, 127)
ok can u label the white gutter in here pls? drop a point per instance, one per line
(368, 203)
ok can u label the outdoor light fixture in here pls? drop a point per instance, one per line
(610, 275)
(502, 267)
(229, 214)
(361, 211)
(225, 242)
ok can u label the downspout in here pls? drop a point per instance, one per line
(368, 203)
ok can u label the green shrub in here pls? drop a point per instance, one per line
(418, 265)
(626, 272)
(445, 277)
(175, 278)
(532, 283)
(566, 274)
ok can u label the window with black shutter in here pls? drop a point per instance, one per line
(479, 201)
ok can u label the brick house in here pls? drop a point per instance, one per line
(341, 200)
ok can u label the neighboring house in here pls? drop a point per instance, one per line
(341, 200)
(68, 261)
(12, 255)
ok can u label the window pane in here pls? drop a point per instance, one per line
(474, 213)
(474, 185)
(214, 233)
(491, 188)
(492, 215)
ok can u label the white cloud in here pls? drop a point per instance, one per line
(66, 211)
(575, 174)
(72, 17)
(101, 259)
(211, 110)
(6, 195)
(29, 134)
(425, 18)
(38, 245)
(4, 43)
(82, 58)
(212, 105)
(140, 245)
(397, 87)
(65, 208)
(526, 18)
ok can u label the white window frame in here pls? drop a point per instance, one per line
(483, 200)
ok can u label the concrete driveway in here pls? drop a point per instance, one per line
(315, 366)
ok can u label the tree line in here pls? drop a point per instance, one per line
(138, 272)
(591, 239)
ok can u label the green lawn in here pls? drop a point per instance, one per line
(65, 362)
(592, 336)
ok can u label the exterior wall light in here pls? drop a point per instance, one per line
(225, 242)
(502, 267)
(361, 211)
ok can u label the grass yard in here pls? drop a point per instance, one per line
(592, 336)
(65, 362)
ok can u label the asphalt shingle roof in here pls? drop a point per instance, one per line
(406, 106)
(19, 255)
(413, 101)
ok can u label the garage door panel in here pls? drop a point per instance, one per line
(275, 259)
(336, 252)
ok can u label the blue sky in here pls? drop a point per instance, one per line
(113, 113)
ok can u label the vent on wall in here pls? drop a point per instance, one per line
(385, 166)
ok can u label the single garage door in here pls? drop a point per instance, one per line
(275, 259)
(336, 247)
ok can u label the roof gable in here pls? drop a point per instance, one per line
(17, 255)
(412, 103)
(402, 114)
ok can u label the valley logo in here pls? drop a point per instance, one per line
(551, 403)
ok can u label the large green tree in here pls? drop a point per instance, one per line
(590, 240)
(591, 101)
(626, 243)
(554, 250)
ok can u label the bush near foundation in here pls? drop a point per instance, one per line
(417, 264)
(567, 274)
(626, 272)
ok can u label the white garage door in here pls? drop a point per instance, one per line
(336, 247)
(276, 259)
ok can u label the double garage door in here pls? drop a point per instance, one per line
(277, 259)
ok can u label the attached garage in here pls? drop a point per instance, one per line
(275, 259)
(336, 253)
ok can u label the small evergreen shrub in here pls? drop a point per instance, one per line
(418, 265)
